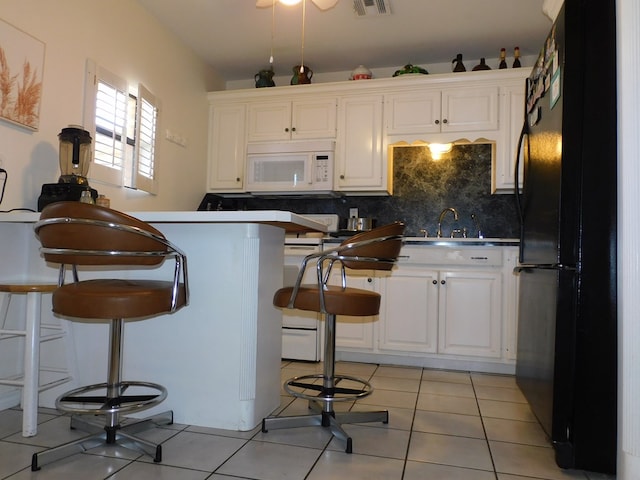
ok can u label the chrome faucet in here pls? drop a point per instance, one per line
(441, 217)
(474, 217)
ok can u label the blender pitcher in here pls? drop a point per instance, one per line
(75, 155)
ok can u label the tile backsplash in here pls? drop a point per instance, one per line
(422, 188)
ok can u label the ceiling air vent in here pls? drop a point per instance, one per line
(371, 8)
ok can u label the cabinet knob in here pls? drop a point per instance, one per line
(437, 122)
(442, 282)
(341, 177)
(369, 280)
(237, 179)
(435, 282)
(286, 129)
(293, 129)
(445, 121)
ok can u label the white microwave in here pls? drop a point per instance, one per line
(290, 168)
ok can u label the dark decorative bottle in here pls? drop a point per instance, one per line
(458, 65)
(481, 66)
(503, 59)
(516, 57)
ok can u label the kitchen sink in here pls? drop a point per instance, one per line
(446, 241)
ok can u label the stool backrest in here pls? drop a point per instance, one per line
(76, 233)
(382, 244)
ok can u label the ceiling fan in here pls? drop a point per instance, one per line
(321, 4)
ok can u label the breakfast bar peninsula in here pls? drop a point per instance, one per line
(219, 357)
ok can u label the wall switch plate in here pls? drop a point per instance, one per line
(353, 212)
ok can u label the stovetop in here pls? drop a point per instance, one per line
(330, 220)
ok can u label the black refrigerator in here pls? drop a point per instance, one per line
(567, 327)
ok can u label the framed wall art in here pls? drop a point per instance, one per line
(21, 72)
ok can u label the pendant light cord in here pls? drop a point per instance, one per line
(273, 28)
(304, 11)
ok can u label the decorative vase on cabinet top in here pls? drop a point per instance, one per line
(361, 73)
(301, 75)
(264, 78)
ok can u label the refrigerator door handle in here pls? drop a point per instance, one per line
(524, 267)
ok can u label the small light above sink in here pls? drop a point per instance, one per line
(439, 149)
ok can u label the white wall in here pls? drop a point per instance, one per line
(122, 37)
(628, 39)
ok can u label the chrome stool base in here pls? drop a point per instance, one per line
(323, 394)
(77, 402)
(328, 419)
(121, 434)
(328, 390)
(322, 403)
(108, 407)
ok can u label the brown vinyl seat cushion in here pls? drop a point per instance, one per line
(338, 301)
(115, 298)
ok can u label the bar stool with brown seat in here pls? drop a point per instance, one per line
(377, 249)
(96, 239)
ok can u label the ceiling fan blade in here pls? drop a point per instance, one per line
(325, 4)
(321, 4)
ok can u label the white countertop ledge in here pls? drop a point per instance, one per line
(290, 221)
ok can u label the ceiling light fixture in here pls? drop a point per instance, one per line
(321, 4)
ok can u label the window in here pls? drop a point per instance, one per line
(124, 127)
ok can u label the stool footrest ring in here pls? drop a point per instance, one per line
(77, 401)
(328, 391)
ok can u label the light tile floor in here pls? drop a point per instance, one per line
(443, 425)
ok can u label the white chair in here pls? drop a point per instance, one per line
(34, 333)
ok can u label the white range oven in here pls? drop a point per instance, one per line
(301, 330)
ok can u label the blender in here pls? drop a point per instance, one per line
(74, 158)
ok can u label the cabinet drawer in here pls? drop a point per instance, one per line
(450, 256)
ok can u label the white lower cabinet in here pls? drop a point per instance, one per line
(458, 315)
(356, 332)
(469, 313)
(409, 309)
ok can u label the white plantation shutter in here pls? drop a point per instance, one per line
(123, 128)
(146, 129)
(107, 124)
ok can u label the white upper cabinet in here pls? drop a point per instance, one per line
(512, 111)
(227, 148)
(291, 120)
(456, 109)
(469, 109)
(412, 112)
(359, 163)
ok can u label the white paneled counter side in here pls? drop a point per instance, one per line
(219, 357)
(366, 117)
(446, 304)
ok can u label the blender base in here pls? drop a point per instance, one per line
(60, 192)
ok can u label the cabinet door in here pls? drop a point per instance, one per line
(510, 301)
(470, 318)
(355, 332)
(269, 121)
(360, 165)
(412, 112)
(409, 311)
(512, 111)
(227, 147)
(314, 119)
(468, 109)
